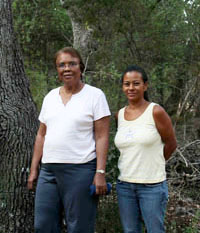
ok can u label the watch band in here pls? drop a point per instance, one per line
(100, 171)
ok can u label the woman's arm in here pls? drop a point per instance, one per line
(101, 130)
(116, 119)
(165, 129)
(37, 155)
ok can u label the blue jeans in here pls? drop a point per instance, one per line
(142, 201)
(65, 187)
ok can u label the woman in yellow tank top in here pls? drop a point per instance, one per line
(145, 139)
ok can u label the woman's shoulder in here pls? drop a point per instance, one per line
(152, 104)
(54, 92)
(119, 112)
(156, 107)
(152, 107)
(95, 90)
(158, 112)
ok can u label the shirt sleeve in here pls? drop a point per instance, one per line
(101, 108)
(42, 113)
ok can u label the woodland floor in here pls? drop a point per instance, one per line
(183, 215)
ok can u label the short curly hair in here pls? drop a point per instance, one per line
(74, 53)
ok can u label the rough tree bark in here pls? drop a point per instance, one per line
(18, 125)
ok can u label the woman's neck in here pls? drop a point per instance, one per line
(139, 104)
(73, 89)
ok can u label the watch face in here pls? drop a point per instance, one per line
(100, 171)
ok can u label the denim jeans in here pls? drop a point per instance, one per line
(65, 187)
(142, 202)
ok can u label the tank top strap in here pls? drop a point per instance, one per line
(148, 114)
(121, 115)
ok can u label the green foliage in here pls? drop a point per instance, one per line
(160, 36)
(40, 84)
(42, 28)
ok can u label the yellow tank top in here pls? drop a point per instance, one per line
(141, 149)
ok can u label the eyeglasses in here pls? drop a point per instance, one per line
(71, 64)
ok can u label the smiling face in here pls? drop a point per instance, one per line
(68, 68)
(134, 86)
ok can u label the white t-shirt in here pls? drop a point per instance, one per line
(70, 128)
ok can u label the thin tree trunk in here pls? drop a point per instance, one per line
(18, 125)
(82, 33)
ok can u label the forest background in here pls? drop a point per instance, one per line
(162, 36)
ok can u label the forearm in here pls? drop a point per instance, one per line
(101, 152)
(101, 129)
(169, 148)
(165, 129)
(37, 154)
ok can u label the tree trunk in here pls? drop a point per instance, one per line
(18, 126)
(82, 33)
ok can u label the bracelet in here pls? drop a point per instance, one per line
(100, 171)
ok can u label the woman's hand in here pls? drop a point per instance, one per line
(100, 183)
(32, 179)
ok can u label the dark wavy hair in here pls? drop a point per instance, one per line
(73, 52)
(139, 70)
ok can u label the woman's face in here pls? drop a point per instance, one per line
(133, 86)
(68, 68)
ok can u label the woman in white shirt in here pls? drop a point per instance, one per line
(71, 144)
(145, 139)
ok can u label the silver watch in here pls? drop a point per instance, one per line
(100, 171)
